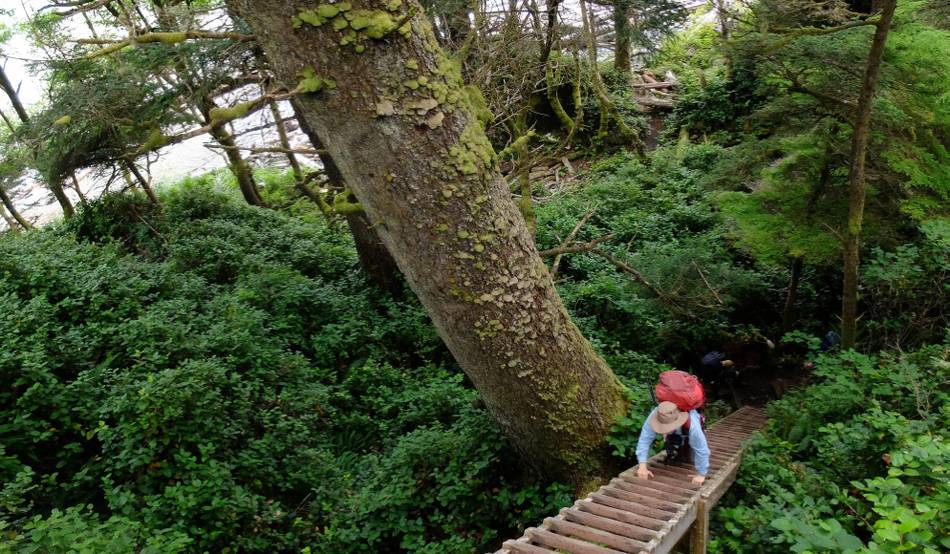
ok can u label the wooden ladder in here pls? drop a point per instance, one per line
(632, 515)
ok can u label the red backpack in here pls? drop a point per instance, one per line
(684, 390)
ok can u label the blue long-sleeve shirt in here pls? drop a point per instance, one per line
(697, 442)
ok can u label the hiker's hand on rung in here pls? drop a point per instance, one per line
(643, 472)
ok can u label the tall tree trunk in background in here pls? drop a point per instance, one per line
(405, 138)
(856, 178)
(789, 315)
(8, 204)
(622, 12)
(375, 260)
(56, 187)
(722, 14)
(608, 111)
(237, 163)
(143, 182)
(550, 31)
(11, 223)
(11, 92)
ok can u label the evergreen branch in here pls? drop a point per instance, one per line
(789, 35)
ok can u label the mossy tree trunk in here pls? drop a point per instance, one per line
(11, 92)
(400, 128)
(143, 182)
(59, 192)
(856, 177)
(789, 313)
(622, 12)
(12, 225)
(10, 207)
(56, 187)
(236, 162)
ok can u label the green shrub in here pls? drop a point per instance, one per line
(854, 463)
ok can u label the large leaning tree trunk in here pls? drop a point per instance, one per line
(399, 126)
(856, 177)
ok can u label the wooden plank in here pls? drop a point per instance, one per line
(727, 433)
(622, 501)
(674, 480)
(663, 465)
(575, 515)
(652, 497)
(648, 524)
(523, 548)
(574, 546)
(659, 488)
(599, 536)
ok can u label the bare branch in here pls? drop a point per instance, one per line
(269, 150)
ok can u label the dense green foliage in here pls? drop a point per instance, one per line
(197, 375)
(223, 379)
(857, 462)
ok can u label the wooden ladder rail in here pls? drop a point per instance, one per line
(630, 515)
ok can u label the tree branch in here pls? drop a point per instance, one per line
(269, 150)
(158, 37)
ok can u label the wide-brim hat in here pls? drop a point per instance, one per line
(667, 418)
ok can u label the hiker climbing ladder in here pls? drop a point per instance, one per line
(634, 515)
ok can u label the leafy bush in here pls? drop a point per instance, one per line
(692, 288)
(854, 463)
(216, 377)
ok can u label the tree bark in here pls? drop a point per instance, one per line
(8, 204)
(722, 14)
(242, 172)
(550, 31)
(11, 223)
(789, 315)
(55, 187)
(856, 178)
(143, 182)
(426, 177)
(375, 260)
(8, 88)
(622, 10)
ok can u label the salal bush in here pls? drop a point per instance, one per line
(856, 462)
(211, 377)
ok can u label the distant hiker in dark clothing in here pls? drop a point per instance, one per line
(830, 340)
(716, 365)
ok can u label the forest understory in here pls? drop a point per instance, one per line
(441, 318)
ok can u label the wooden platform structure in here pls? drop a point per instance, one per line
(632, 515)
